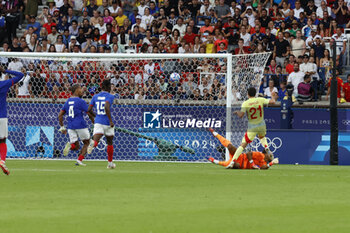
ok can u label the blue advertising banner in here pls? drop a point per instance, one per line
(179, 133)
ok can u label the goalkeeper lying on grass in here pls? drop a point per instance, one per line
(250, 160)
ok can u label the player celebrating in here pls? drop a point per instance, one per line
(77, 127)
(4, 88)
(250, 160)
(103, 122)
(254, 108)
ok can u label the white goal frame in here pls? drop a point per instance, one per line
(120, 56)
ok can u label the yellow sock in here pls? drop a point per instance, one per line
(223, 140)
(264, 143)
(238, 152)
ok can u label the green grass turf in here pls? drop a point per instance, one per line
(55, 196)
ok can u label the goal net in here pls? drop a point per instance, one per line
(163, 107)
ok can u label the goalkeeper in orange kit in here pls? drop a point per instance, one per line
(250, 160)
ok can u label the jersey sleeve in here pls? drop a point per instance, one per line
(92, 102)
(65, 107)
(17, 78)
(244, 107)
(264, 101)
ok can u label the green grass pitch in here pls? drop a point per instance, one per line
(56, 196)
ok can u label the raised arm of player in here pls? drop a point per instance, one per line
(108, 113)
(12, 81)
(273, 99)
(17, 78)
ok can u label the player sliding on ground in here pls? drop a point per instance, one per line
(250, 160)
(104, 125)
(254, 108)
(4, 88)
(77, 127)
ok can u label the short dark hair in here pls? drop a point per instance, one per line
(251, 91)
(306, 76)
(74, 88)
(106, 85)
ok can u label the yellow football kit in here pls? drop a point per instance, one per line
(254, 109)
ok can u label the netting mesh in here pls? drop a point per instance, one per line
(162, 111)
(248, 72)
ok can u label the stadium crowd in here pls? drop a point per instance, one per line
(295, 31)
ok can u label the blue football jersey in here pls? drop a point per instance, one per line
(98, 102)
(4, 88)
(76, 108)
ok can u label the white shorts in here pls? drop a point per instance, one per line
(75, 134)
(4, 132)
(103, 129)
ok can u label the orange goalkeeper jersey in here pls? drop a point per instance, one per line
(258, 158)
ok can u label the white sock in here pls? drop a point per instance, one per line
(216, 161)
(251, 161)
(215, 133)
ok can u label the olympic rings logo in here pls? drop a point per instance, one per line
(273, 144)
(346, 122)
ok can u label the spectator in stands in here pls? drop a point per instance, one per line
(102, 7)
(251, 15)
(309, 68)
(49, 24)
(280, 49)
(94, 18)
(120, 17)
(302, 19)
(52, 37)
(282, 91)
(142, 26)
(295, 78)
(63, 24)
(270, 90)
(44, 45)
(298, 45)
(180, 27)
(346, 89)
(322, 31)
(84, 16)
(311, 40)
(310, 8)
(245, 36)
(10, 8)
(305, 91)
(64, 9)
(340, 40)
(319, 48)
(298, 9)
(35, 25)
(341, 13)
(92, 7)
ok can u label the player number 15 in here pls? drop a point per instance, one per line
(101, 108)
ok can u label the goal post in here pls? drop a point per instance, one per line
(157, 117)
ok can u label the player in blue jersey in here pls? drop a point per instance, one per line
(77, 127)
(4, 88)
(104, 125)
